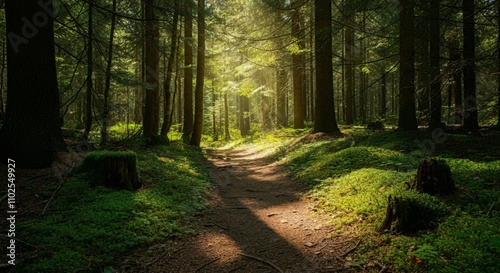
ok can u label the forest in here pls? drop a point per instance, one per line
(250, 135)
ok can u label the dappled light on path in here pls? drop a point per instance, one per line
(258, 221)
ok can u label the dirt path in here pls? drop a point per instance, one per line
(257, 223)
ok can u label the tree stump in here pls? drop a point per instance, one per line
(411, 213)
(114, 169)
(375, 125)
(434, 177)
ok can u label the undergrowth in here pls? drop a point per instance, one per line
(350, 178)
(91, 229)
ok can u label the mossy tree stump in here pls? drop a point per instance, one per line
(114, 169)
(411, 213)
(434, 177)
(375, 125)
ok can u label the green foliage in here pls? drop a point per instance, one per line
(92, 228)
(351, 177)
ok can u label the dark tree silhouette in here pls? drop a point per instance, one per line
(407, 116)
(31, 133)
(325, 112)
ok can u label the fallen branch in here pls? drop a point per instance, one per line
(51, 198)
(39, 176)
(383, 267)
(489, 211)
(215, 224)
(351, 249)
(227, 208)
(205, 264)
(262, 261)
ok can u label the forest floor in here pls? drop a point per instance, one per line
(258, 221)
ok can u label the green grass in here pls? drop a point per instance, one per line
(351, 177)
(94, 228)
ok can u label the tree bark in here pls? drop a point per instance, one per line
(349, 70)
(227, 135)
(498, 64)
(281, 79)
(151, 85)
(469, 69)
(407, 116)
(298, 103)
(325, 107)
(456, 84)
(423, 70)
(89, 95)
(2, 71)
(105, 118)
(167, 103)
(31, 133)
(187, 128)
(383, 96)
(434, 63)
(200, 77)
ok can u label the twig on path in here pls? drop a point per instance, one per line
(261, 260)
(207, 263)
(227, 208)
(215, 224)
(351, 249)
(383, 267)
(51, 198)
(250, 190)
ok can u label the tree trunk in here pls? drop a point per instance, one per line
(423, 69)
(167, 103)
(298, 103)
(434, 63)
(151, 86)
(383, 96)
(457, 81)
(31, 133)
(105, 118)
(281, 79)
(138, 103)
(311, 68)
(325, 107)
(200, 77)
(227, 135)
(214, 112)
(407, 116)
(2, 73)
(187, 128)
(349, 70)
(498, 64)
(244, 115)
(90, 63)
(469, 69)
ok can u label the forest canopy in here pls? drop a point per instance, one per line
(235, 68)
